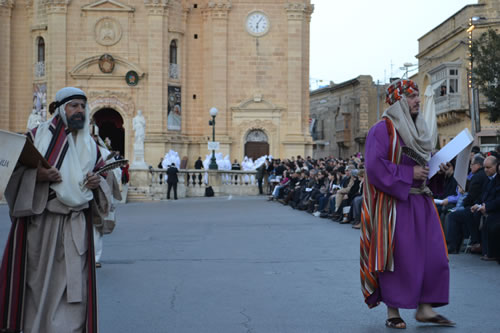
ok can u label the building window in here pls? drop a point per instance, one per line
(41, 49)
(174, 67)
(40, 64)
(317, 129)
(173, 52)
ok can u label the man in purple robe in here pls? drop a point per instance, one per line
(403, 252)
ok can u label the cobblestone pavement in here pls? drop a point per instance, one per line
(247, 265)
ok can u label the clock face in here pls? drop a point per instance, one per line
(257, 24)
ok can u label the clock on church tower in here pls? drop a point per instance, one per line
(257, 23)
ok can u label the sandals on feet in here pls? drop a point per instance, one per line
(438, 320)
(395, 322)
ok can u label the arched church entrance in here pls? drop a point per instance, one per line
(256, 144)
(110, 124)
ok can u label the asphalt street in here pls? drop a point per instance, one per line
(243, 264)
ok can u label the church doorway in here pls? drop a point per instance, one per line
(110, 125)
(256, 144)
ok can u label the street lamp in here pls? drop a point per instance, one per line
(405, 68)
(472, 91)
(213, 162)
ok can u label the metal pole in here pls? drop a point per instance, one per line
(213, 161)
(471, 84)
(378, 101)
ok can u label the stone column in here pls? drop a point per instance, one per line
(215, 62)
(55, 61)
(157, 25)
(297, 137)
(5, 34)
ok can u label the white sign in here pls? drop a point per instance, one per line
(213, 145)
(11, 146)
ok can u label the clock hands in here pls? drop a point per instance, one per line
(257, 25)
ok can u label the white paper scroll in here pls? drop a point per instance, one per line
(461, 145)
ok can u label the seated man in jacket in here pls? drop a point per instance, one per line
(456, 221)
(489, 211)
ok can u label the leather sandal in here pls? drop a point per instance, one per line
(437, 320)
(396, 322)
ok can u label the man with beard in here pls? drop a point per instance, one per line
(47, 274)
(403, 252)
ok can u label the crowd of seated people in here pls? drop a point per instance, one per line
(327, 187)
(333, 188)
(471, 216)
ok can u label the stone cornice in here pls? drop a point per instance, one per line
(156, 7)
(298, 11)
(113, 6)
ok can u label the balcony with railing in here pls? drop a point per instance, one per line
(447, 103)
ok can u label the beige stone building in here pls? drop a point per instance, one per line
(342, 114)
(444, 65)
(172, 59)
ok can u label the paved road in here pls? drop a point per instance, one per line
(246, 265)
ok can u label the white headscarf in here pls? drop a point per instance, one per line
(80, 158)
(415, 134)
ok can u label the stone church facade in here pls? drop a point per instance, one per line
(172, 59)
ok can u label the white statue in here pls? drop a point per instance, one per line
(34, 120)
(139, 126)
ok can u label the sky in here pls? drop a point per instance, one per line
(363, 37)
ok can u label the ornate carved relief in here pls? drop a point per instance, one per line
(7, 3)
(217, 9)
(267, 126)
(256, 136)
(108, 31)
(6, 7)
(156, 7)
(80, 71)
(111, 99)
(298, 11)
(56, 6)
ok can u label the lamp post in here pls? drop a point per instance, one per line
(213, 114)
(472, 92)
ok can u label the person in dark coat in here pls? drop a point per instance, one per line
(198, 164)
(172, 180)
(261, 172)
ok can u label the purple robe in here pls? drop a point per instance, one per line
(421, 270)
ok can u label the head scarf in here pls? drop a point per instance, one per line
(415, 133)
(398, 89)
(81, 156)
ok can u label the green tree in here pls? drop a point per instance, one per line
(486, 70)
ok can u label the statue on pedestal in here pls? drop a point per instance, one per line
(139, 126)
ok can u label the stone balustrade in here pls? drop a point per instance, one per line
(151, 184)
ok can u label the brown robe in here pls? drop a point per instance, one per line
(57, 276)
